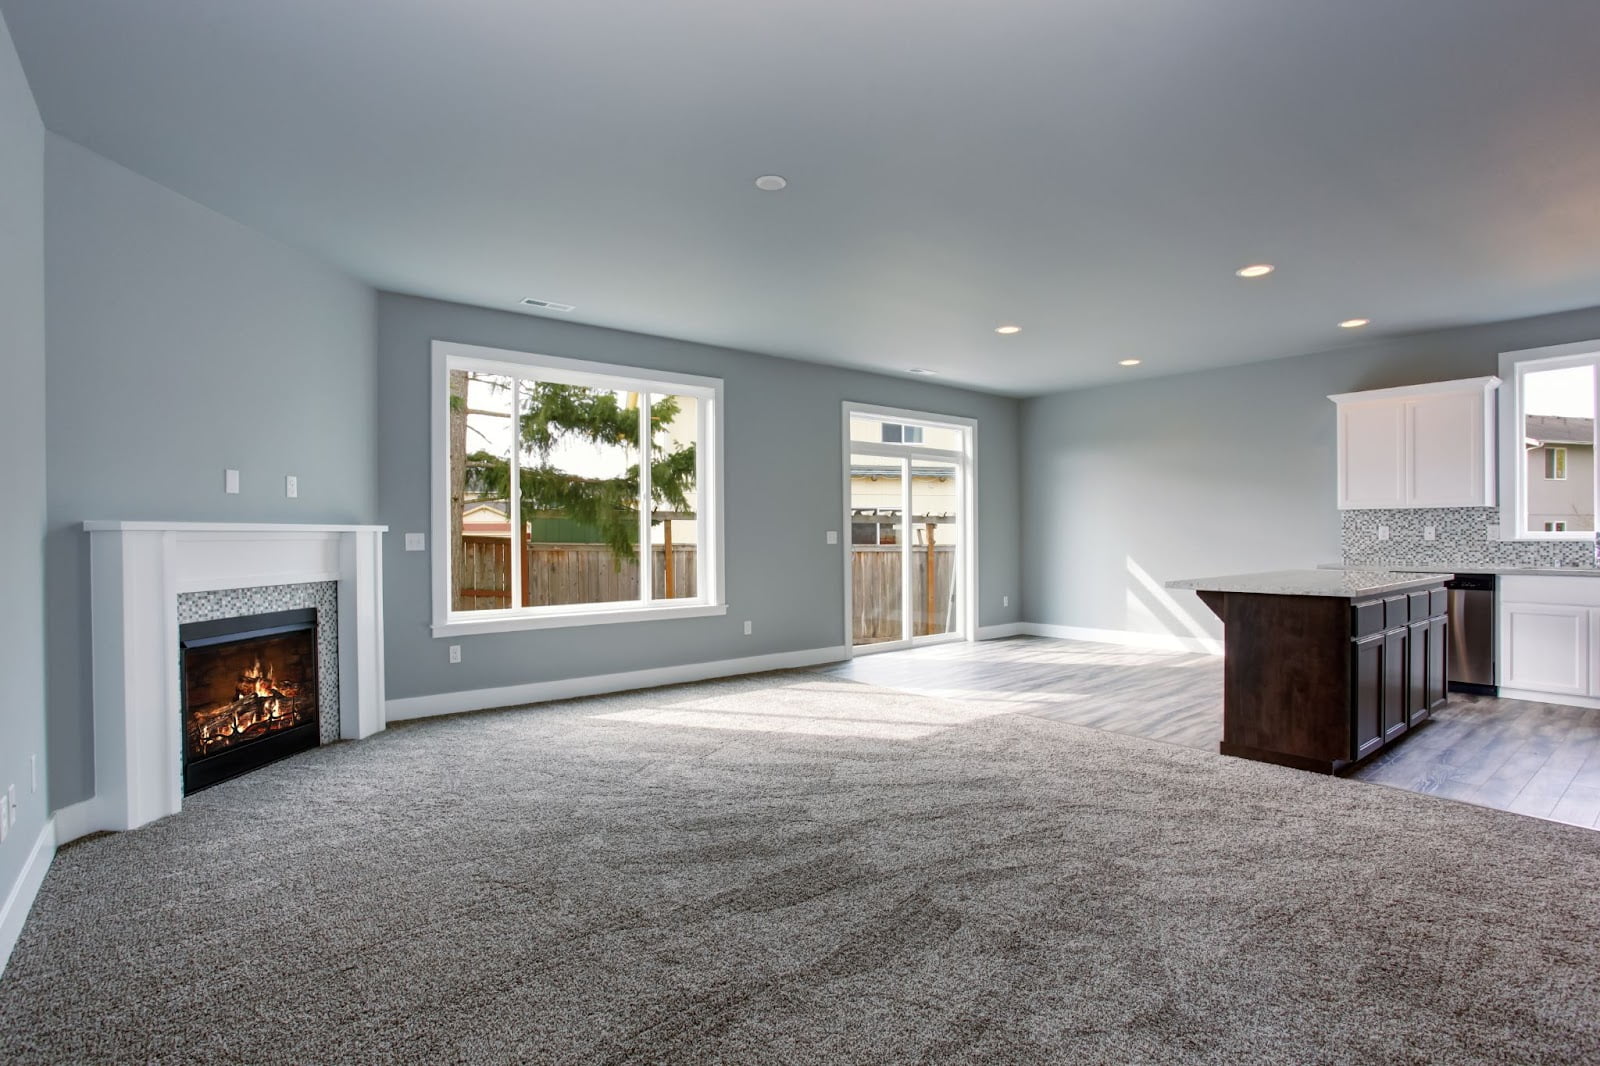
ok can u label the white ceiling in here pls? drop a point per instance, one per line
(1092, 170)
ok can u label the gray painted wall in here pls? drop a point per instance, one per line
(1217, 472)
(784, 490)
(22, 721)
(181, 343)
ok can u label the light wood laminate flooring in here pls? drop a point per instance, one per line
(1532, 758)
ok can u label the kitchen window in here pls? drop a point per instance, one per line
(1547, 441)
(571, 493)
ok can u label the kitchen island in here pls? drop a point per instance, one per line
(1324, 668)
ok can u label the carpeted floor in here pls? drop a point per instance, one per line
(798, 869)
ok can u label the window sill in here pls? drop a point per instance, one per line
(506, 623)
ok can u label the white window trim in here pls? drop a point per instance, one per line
(967, 461)
(711, 573)
(1513, 456)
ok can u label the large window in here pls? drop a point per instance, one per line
(1547, 441)
(571, 493)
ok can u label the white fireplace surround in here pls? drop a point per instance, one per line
(137, 570)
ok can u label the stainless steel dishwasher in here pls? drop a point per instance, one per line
(1472, 625)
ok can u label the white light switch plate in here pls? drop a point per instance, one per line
(1383, 532)
(833, 536)
(230, 482)
(416, 542)
(291, 486)
(1429, 533)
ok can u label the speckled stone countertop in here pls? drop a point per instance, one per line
(1525, 571)
(1345, 584)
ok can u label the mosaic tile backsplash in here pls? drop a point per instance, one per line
(323, 595)
(1461, 540)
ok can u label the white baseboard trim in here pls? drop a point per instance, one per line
(598, 685)
(1548, 697)
(78, 820)
(20, 899)
(1127, 638)
(1000, 632)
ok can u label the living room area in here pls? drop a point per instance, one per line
(534, 535)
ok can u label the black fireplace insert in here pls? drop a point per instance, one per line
(249, 693)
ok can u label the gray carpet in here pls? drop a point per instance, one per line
(799, 869)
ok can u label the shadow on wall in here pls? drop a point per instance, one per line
(1153, 610)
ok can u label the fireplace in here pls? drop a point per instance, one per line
(249, 693)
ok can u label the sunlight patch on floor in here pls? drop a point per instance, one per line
(840, 709)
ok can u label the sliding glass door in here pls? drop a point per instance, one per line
(907, 488)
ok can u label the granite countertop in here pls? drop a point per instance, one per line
(1344, 584)
(1528, 571)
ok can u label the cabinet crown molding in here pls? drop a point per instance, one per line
(1429, 388)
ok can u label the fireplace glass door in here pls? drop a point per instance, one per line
(249, 693)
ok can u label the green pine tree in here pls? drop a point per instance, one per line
(553, 414)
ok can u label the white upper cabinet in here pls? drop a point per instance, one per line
(1418, 446)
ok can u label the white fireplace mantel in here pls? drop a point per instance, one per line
(137, 570)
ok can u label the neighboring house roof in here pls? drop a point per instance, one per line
(1551, 429)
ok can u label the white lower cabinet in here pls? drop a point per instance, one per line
(1545, 647)
(1550, 635)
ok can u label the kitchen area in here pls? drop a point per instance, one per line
(1454, 648)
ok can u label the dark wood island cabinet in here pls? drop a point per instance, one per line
(1324, 668)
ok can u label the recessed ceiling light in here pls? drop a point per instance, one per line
(771, 182)
(1255, 270)
(1129, 362)
(921, 370)
(1008, 330)
(1354, 323)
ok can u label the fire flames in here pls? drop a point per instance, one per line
(262, 704)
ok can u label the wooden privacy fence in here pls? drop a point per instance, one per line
(566, 573)
(875, 591)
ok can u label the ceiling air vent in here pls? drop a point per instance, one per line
(547, 305)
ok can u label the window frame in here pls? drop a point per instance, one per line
(1514, 366)
(1555, 463)
(711, 597)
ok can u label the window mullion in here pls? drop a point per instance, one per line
(646, 556)
(514, 496)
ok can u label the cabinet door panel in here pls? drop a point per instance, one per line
(1372, 445)
(1438, 663)
(1447, 451)
(1394, 683)
(1366, 695)
(1417, 648)
(1544, 648)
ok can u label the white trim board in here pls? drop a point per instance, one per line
(1127, 638)
(483, 699)
(19, 901)
(1003, 630)
(1558, 699)
(78, 820)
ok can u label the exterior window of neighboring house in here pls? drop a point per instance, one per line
(572, 493)
(1547, 404)
(898, 433)
(1555, 463)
